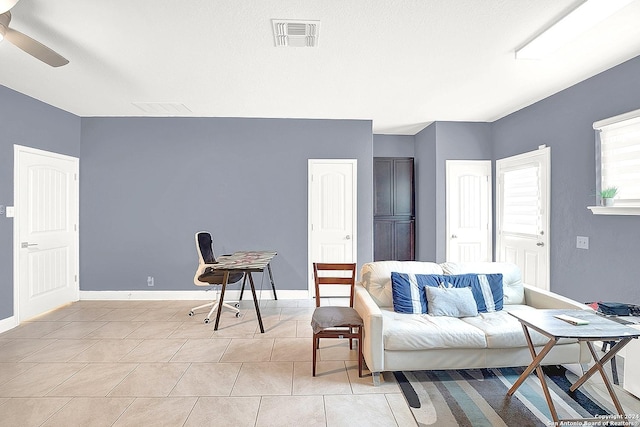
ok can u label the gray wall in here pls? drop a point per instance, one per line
(609, 270)
(425, 167)
(455, 141)
(26, 121)
(393, 146)
(439, 142)
(149, 184)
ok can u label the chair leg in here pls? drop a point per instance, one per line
(360, 352)
(315, 349)
(224, 305)
(202, 306)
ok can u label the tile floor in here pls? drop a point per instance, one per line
(137, 363)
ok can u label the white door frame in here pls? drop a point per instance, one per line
(354, 235)
(17, 217)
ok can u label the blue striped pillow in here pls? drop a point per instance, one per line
(487, 289)
(409, 295)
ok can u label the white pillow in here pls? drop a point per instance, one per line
(452, 302)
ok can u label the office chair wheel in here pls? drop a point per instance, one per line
(238, 314)
(191, 313)
(207, 320)
(236, 305)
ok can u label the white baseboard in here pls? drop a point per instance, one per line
(8, 323)
(231, 295)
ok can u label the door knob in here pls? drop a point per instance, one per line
(453, 236)
(539, 244)
(24, 245)
(348, 237)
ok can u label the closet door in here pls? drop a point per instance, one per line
(394, 211)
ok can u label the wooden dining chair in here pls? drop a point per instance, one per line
(334, 321)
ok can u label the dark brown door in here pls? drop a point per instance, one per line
(394, 209)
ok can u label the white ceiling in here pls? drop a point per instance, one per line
(400, 63)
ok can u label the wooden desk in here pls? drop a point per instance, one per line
(247, 262)
(598, 329)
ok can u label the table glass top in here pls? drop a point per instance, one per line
(244, 260)
(599, 327)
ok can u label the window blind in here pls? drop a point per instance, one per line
(619, 143)
(521, 189)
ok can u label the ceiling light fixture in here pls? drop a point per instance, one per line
(584, 17)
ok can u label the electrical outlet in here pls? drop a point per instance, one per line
(582, 242)
(150, 281)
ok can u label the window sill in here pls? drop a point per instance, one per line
(615, 210)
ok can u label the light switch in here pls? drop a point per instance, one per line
(9, 211)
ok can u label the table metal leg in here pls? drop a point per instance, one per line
(598, 366)
(255, 302)
(244, 281)
(547, 394)
(273, 285)
(612, 352)
(537, 359)
(225, 280)
(535, 365)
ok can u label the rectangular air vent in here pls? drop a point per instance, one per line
(290, 33)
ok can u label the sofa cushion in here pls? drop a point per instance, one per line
(375, 277)
(503, 330)
(454, 302)
(423, 332)
(513, 290)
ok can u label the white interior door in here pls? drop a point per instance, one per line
(332, 213)
(45, 230)
(523, 214)
(468, 207)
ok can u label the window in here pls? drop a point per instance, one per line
(521, 195)
(618, 157)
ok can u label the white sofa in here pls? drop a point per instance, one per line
(397, 341)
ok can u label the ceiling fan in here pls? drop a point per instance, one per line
(24, 42)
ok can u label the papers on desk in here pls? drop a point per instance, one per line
(572, 320)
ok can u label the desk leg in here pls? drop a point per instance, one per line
(225, 280)
(244, 281)
(255, 302)
(273, 285)
(598, 366)
(535, 364)
(537, 359)
(598, 363)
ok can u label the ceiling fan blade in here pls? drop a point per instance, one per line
(6, 5)
(35, 48)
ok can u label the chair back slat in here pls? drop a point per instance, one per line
(334, 274)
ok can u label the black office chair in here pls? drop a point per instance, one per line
(207, 276)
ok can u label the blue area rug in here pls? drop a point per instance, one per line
(478, 397)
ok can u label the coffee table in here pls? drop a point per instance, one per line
(598, 329)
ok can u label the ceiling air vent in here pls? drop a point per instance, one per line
(288, 33)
